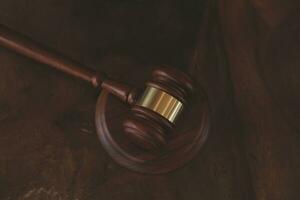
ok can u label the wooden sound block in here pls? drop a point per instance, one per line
(190, 132)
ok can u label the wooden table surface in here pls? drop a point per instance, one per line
(246, 56)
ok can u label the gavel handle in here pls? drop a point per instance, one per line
(24, 46)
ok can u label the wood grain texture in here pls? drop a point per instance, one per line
(246, 58)
(264, 79)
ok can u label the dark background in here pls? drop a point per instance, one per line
(245, 53)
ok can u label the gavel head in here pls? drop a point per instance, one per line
(153, 115)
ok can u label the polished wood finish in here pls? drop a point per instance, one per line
(145, 127)
(150, 143)
(172, 81)
(27, 47)
(252, 151)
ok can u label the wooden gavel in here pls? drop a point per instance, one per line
(153, 112)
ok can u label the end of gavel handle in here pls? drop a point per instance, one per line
(125, 93)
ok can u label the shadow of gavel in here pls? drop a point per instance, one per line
(153, 112)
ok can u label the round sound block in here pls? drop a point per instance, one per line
(190, 132)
